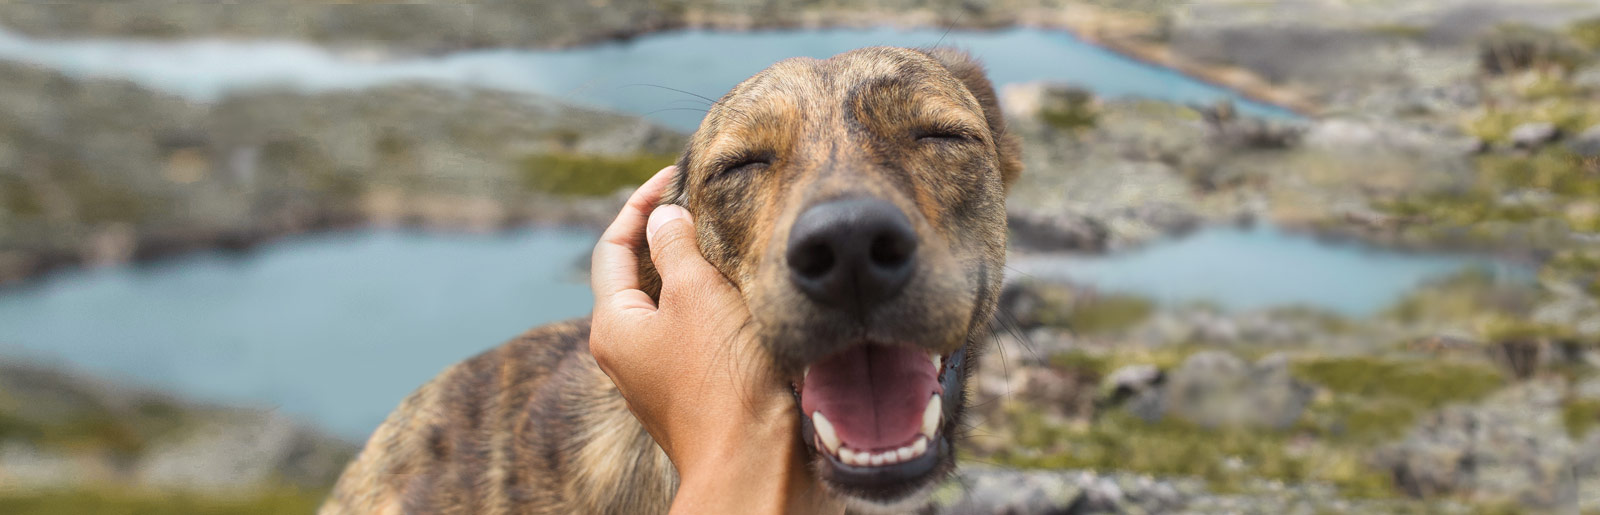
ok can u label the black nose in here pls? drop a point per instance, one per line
(852, 254)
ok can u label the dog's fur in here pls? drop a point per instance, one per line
(534, 426)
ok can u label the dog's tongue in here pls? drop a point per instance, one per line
(874, 395)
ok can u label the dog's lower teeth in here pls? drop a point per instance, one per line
(890, 457)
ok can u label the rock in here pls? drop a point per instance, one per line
(1513, 448)
(241, 451)
(1534, 134)
(1134, 379)
(1215, 388)
(1058, 232)
(1586, 143)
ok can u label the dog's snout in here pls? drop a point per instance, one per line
(852, 254)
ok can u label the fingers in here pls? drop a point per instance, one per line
(673, 249)
(614, 271)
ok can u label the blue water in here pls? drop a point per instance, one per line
(332, 328)
(337, 328)
(1252, 268)
(609, 75)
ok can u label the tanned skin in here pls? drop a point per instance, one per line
(534, 426)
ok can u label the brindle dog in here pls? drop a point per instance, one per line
(857, 203)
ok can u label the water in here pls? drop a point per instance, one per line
(332, 328)
(609, 75)
(1250, 268)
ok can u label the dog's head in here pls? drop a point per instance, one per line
(857, 203)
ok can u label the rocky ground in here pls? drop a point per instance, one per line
(63, 434)
(1461, 124)
(145, 175)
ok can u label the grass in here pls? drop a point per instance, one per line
(1568, 113)
(589, 175)
(92, 502)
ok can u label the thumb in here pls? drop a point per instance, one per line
(674, 251)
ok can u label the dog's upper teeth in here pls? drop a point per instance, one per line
(805, 374)
(931, 416)
(825, 432)
(937, 361)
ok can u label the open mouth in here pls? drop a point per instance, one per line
(875, 413)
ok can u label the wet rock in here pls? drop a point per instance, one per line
(1215, 388)
(1533, 134)
(1586, 143)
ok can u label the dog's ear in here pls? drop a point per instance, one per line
(971, 73)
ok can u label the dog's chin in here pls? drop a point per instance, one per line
(877, 419)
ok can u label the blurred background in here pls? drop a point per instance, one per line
(1332, 256)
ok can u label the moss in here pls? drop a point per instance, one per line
(1586, 33)
(279, 501)
(1580, 416)
(1108, 313)
(1399, 30)
(1077, 360)
(1227, 459)
(1429, 383)
(589, 175)
(1515, 47)
(18, 198)
(1074, 110)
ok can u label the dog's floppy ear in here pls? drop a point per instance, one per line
(970, 72)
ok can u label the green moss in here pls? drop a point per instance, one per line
(589, 175)
(1074, 110)
(18, 198)
(283, 501)
(1077, 360)
(1399, 30)
(1515, 47)
(1430, 383)
(1108, 313)
(1586, 33)
(1227, 459)
(1580, 416)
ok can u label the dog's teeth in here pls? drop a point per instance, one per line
(891, 457)
(937, 361)
(931, 416)
(876, 460)
(847, 456)
(905, 453)
(830, 439)
(920, 446)
(805, 374)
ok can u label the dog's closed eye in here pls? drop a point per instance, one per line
(742, 163)
(943, 134)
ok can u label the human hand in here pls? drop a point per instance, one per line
(691, 370)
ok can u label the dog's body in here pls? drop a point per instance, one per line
(857, 204)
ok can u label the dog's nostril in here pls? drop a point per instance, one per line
(891, 249)
(812, 260)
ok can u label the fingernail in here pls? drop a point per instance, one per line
(660, 216)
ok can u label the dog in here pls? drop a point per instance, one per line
(858, 205)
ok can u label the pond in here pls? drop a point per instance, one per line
(333, 328)
(337, 328)
(629, 77)
(1257, 267)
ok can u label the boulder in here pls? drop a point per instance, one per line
(1056, 232)
(1586, 143)
(1216, 389)
(1533, 135)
